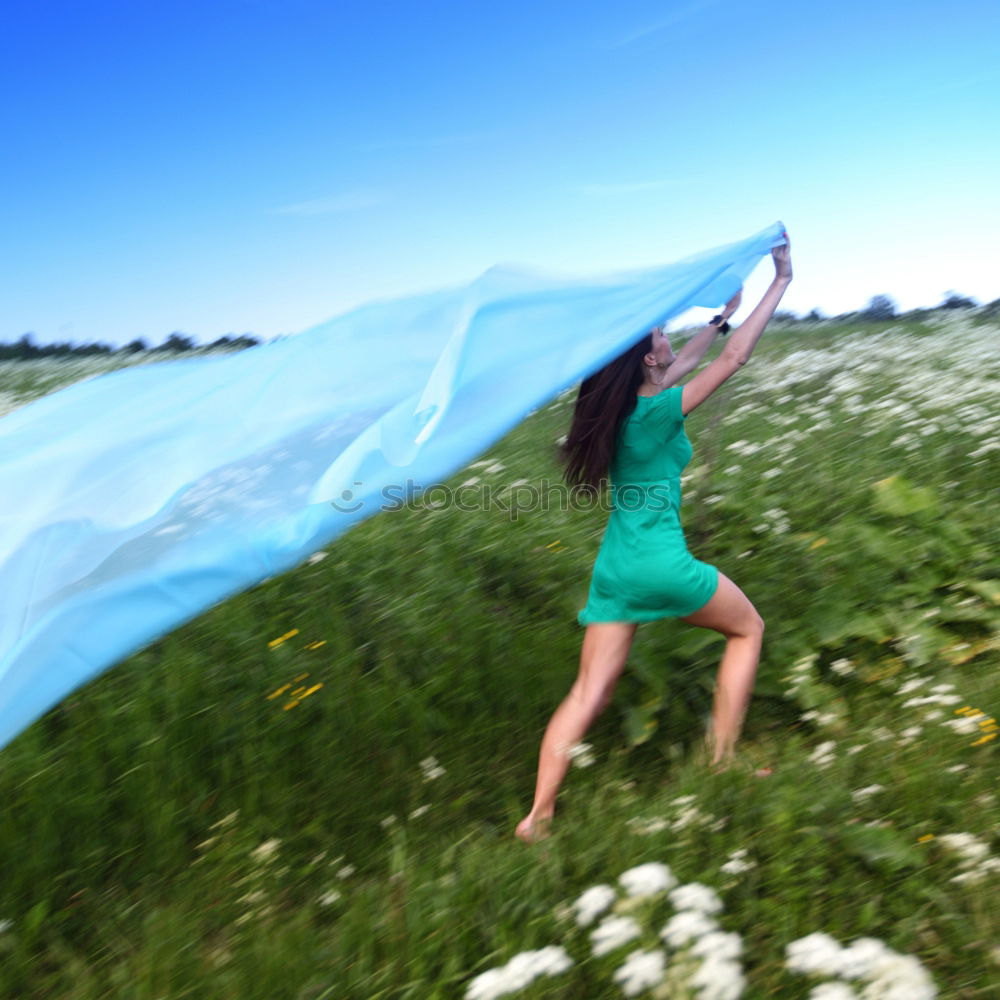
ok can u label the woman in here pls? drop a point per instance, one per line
(629, 425)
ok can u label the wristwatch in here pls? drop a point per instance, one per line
(720, 323)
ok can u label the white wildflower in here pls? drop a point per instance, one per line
(648, 879)
(860, 794)
(550, 961)
(518, 973)
(5, 925)
(593, 903)
(718, 979)
(971, 877)
(329, 898)
(642, 971)
(226, 820)
(738, 863)
(817, 952)
(581, 754)
(695, 896)
(317, 557)
(966, 725)
(888, 975)
(431, 769)
(859, 960)
(832, 991)
(645, 827)
(842, 667)
(691, 816)
(900, 977)
(346, 871)
(969, 848)
(419, 811)
(266, 851)
(820, 718)
(612, 933)
(387, 822)
(489, 985)
(718, 945)
(687, 926)
(823, 755)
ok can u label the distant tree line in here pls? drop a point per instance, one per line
(26, 349)
(881, 308)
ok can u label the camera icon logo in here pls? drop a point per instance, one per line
(347, 502)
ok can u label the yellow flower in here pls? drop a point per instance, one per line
(281, 690)
(983, 739)
(925, 838)
(282, 638)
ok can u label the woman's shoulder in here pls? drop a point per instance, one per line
(663, 407)
(662, 395)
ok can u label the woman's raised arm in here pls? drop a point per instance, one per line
(743, 339)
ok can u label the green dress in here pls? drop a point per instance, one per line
(643, 570)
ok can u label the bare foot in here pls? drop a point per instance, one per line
(532, 829)
(728, 763)
(722, 764)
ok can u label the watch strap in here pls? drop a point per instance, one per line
(720, 323)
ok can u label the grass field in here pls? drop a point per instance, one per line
(310, 792)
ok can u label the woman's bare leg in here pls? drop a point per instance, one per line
(602, 659)
(731, 613)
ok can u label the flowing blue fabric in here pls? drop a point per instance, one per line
(134, 501)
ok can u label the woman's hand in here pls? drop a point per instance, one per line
(782, 262)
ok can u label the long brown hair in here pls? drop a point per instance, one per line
(604, 401)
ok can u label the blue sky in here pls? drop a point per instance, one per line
(234, 166)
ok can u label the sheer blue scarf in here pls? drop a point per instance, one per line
(132, 502)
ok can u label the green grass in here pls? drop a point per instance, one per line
(859, 515)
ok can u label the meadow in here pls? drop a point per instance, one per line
(310, 792)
